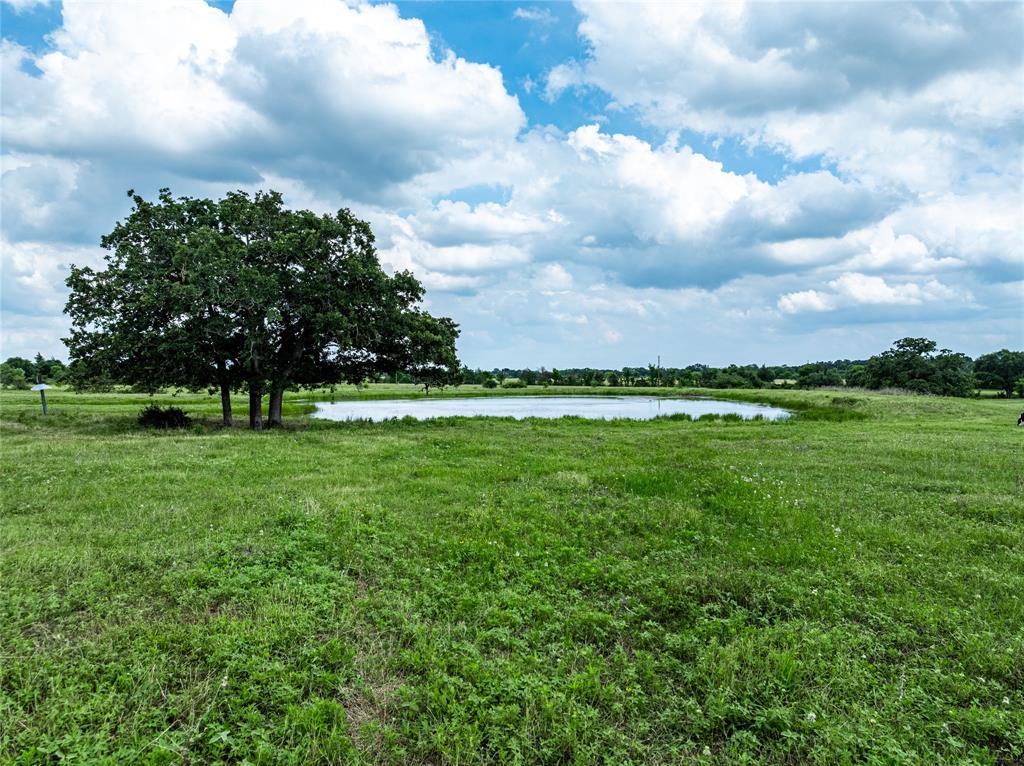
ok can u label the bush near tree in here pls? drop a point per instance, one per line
(155, 416)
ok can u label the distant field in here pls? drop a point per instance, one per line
(846, 587)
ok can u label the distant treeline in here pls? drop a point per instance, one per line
(694, 375)
(18, 372)
(912, 364)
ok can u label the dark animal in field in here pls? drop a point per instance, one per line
(1020, 420)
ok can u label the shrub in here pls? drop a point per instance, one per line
(12, 377)
(490, 383)
(513, 383)
(155, 416)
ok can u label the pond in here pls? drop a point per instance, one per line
(519, 407)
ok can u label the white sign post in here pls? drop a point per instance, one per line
(41, 388)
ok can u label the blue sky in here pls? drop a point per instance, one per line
(576, 184)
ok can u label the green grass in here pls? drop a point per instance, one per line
(847, 587)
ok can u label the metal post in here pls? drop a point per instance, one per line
(41, 388)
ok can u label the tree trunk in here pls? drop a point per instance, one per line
(225, 392)
(255, 407)
(225, 404)
(274, 409)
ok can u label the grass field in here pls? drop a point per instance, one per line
(846, 587)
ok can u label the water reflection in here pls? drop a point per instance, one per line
(519, 407)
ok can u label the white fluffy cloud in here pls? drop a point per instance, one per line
(485, 223)
(333, 94)
(644, 215)
(912, 94)
(855, 289)
(909, 117)
(553, 278)
(34, 274)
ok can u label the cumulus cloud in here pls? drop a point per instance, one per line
(33, 278)
(450, 222)
(900, 93)
(553, 277)
(348, 98)
(804, 300)
(562, 77)
(855, 289)
(648, 215)
(861, 288)
(546, 243)
(640, 214)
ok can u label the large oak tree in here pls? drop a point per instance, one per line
(243, 293)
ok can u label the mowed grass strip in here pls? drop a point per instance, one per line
(847, 587)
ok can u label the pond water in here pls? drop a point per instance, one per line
(519, 407)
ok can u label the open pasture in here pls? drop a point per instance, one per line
(845, 587)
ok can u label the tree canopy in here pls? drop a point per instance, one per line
(914, 364)
(244, 294)
(1001, 370)
(18, 372)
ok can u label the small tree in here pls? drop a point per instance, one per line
(914, 364)
(430, 357)
(654, 374)
(1000, 369)
(12, 376)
